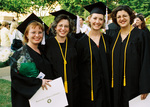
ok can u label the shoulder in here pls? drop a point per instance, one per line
(50, 40)
(83, 41)
(83, 38)
(71, 38)
(4, 30)
(137, 32)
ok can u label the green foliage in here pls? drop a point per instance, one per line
(73, 6)
(148, 27)
(5, 96)
(19, 6)
(22, 6)
(148, 22)
(76, 6)
(139, 6)
(48, 20)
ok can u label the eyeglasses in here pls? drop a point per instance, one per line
(123, 16)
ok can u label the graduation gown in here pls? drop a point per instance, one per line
(23, 88)
(53, 53)
(100, 73)
(137, 67)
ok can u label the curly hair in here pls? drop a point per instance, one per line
(125, 8)
(58, 19)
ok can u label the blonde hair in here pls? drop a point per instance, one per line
(89, 24)
(13, 26)
(4, 23)
(33, 25)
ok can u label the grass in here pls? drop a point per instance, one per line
(5, 93)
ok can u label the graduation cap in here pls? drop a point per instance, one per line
(57, 13)
(98, 7)
(28, 20)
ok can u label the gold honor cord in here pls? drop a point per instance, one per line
(125, 51)
(65, 63)
(92, 95)
(104, 43)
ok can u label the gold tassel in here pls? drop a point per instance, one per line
(112, 83)
(92, 96)
(66, 86)
(124, 81)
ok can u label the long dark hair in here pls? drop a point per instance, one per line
(143, 25)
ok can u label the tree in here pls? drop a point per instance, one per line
(76, 6)
(24, 6)
(139, 6)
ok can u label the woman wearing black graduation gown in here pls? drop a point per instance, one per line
(130, 59)
(140, 23)
(26, 63)
(92, 61)
(60, 49)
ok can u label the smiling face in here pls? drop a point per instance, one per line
(123, 19)
(35, 35)
(62, 28)
(96, 21)
(138, 22)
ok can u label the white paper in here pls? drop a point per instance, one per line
(55, 96)
(137, 102)
(41, 75)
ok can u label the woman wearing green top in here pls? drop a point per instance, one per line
(26, 64)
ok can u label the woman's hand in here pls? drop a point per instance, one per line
(45, 82)
(143, 96)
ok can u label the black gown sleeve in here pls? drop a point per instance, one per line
(25, 86)
(145, 70)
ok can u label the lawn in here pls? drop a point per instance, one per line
(5, 93)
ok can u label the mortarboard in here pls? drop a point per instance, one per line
(28, 20)
(98, 7)
(57, 13)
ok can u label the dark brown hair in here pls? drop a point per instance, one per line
(125, 8)
(143, 25)
(58, 19)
